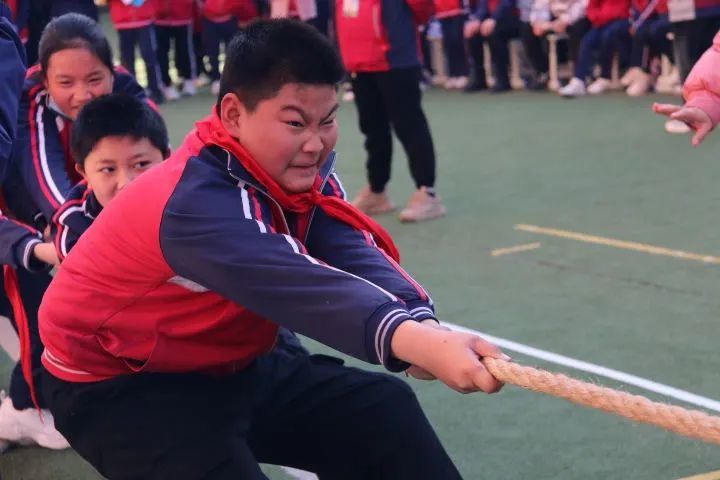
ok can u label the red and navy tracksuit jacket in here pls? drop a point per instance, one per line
(16, 238)
(194, 267)
(219, 11)
(126, 16)
(174, 13)
(602, 12)
(43, 158)
(73, 218)
(382, 34)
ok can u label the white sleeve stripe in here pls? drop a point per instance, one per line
(64, 234)
(43, 156)
(292, 243)
(69, 211)
(340, 185)
(419, 310)
(27, 252)
(382, 330)
(245, 203)
(263, 228)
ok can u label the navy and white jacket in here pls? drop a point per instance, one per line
(194, 267)
(73, 218)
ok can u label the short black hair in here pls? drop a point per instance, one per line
(268, 54)
(74, 30)
(116, 115)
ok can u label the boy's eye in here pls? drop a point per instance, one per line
(107, 170)
(329, 121)
(141, 165)
(95, 80)
(295, 124)
(65, 83)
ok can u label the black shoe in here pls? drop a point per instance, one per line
(475, 86)
(500, 88)
(157, 97)
(537, 83)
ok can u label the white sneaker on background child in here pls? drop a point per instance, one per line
(599, 86)
(189, 89)
(171, 93)
(423, 205)
(24, 427)
(640, 85)
(630, 76)
(215, 87)
(574, 88)
(373, 203)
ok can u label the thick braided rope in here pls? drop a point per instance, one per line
(691, 423)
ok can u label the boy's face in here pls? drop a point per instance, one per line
(115, 162)
(290, 135)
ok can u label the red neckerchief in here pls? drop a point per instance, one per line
(211, 131)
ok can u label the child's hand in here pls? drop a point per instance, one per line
(559, 26)
(697, 119)
(452, 357)
(471, 28)
(417, 372)
(487, 27)
(45, 252)
(539, 28)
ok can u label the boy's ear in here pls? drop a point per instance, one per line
(232, 111)
(81, 170)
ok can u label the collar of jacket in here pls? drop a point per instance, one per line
(238, 172)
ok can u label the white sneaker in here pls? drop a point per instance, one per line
(25, 427)
(423, 205)
(215, 88)
(449, 84)
(574, 88)
(630, 76)
(640, 85)
(189, 89)
(677, 127)
(171, 93)
(599, 86)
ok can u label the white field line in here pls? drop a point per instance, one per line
(599, 370)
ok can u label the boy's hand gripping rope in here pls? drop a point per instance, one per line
(691, 423)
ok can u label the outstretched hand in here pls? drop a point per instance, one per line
(693, 117)
(455, 358)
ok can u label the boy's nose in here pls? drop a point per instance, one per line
(314, 144)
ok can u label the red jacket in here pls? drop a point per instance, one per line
(219, 10)
(173, 13)
(246, 10)
(382, 34)
(602, 12)
(127, 16)
(450, 8)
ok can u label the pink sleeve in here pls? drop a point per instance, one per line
(702, 87)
